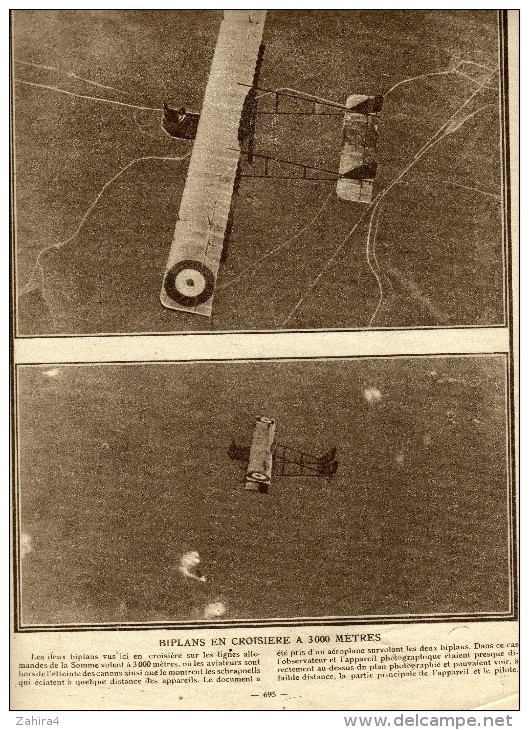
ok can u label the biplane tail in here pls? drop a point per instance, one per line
(358, 166)
(328, 457)
(328, 463)
(328, 468)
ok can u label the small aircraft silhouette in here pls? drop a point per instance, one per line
(265, 457)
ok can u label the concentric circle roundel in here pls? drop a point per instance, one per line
(189, 283)
(257, 476)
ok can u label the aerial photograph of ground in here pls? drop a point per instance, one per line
(130, 509)
(97, 181)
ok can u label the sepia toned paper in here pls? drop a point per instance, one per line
(372, 336)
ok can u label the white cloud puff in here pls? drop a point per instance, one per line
(372, 395)
(214, 610)
(188, 566)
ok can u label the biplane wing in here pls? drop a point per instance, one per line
(196, 250)
(259, 470)
(358, 163)
(265, 456)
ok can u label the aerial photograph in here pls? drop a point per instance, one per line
(265, 491)
(211, 171)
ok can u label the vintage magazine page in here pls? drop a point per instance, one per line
(264, 383)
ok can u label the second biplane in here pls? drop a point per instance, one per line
(265, 457)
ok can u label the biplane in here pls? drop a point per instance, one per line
(266, 457)
(224, 132)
